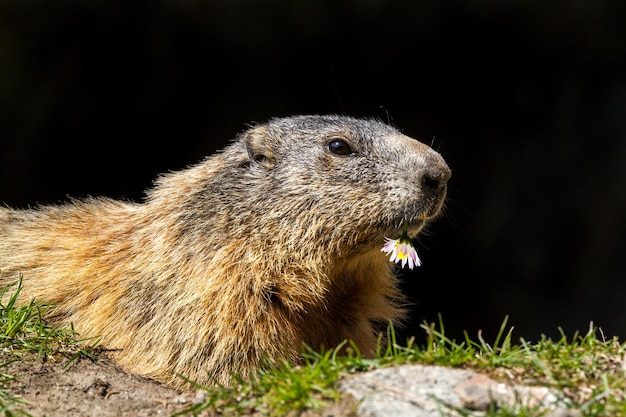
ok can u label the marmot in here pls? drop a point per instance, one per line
(271, 244)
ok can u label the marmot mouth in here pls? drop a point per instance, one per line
(417, 217)
(415, 226)
(416, 223)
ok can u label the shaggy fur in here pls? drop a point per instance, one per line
(241, 259)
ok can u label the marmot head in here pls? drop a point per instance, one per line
(337, 179)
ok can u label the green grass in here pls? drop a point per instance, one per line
(25, 333)
(586, 369)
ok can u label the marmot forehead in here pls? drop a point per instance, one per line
(316, 124)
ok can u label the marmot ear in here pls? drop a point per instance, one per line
(259, 151)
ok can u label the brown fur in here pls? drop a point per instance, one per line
(272, 243)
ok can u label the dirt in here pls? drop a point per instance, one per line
(89, 388)
(100, 388)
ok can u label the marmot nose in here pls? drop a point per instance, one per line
(435, 176)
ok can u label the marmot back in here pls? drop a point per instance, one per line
(273, 243)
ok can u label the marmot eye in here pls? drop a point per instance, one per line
(340, 147)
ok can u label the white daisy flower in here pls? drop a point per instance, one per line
(402, 250)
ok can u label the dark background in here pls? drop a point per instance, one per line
(525, 100)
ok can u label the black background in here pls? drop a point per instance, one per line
(525, 99)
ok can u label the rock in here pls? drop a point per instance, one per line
(561, 412)
(480, 392)
(437, 391)
(408, 390)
